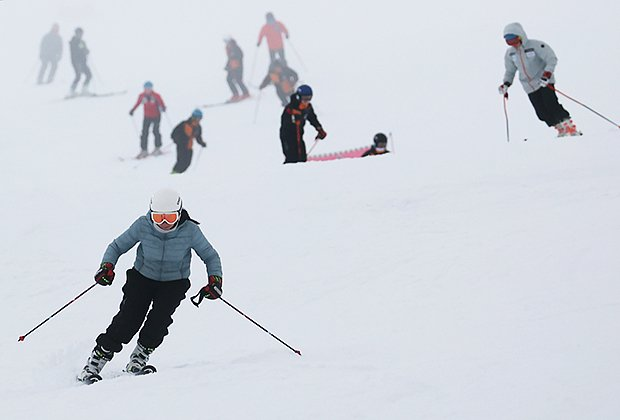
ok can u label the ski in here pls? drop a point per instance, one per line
(123, 159)
(218, 104)
(90, 379)
(145, 370)
(95, 95)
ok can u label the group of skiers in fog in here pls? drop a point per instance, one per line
(159, 278)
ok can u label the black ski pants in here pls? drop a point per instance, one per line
(547, 107)
(184, 158)
(50, 77)
(146, 124)
(81, 68)
(293, 147)
(277, 55)
(139, 294)
(234, 79)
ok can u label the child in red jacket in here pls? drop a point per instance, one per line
(153, 107)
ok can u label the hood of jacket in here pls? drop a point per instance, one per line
(516, 29)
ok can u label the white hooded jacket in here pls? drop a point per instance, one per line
(532, 58)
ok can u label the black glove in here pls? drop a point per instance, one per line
(105, 275)
(131, 113)
(212, 291)
(321, 134)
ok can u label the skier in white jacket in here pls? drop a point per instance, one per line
(535, 61)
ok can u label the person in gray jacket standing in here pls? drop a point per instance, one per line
(535, 61)
(50, 53)
(158, 280)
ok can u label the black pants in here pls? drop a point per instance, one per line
(234, 79)
(277, 55)
(146, 124)
(139, 293)
(547, 107)
(293, 147)
(81, 68)
(50, 76)
(184, 158)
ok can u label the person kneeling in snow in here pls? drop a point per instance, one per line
(380, 146)
(536, 63)
(158, 280)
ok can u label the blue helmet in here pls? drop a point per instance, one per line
(148, 85)
(197, 113)
(304, 90)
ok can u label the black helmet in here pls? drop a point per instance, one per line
(79, 31)
(380, 138)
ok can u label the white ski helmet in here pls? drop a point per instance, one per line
(166, 201)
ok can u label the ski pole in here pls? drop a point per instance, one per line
(135, 127)
(506, 116)
(260, 92)
(392, 141)
(583, 105)
(260, 326)
(197, 159)
(22, 337)
(297, 54)
(313, 146)
(253, 64)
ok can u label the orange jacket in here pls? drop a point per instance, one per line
(273, 32)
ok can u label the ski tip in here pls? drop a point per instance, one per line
(297, 352)
(21, 338)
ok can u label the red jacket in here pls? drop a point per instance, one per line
(153, 104)
(273, 33)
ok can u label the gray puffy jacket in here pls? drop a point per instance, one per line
(165, 256)
(532, 58)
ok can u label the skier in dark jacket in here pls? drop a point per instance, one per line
(379, 147)
(155, 285)
(50, 53)
(293, 120)
(79, 54)
(153, 107)
(183, 136)
(234, 67)
(283, 78)
(535, 61)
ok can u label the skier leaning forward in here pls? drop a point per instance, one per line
(536, 63)
(158, 280)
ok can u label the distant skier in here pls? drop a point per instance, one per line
(153, 107)
(50, 53)
(535, 61)
(293, 120)
(183, 136)
(234, 67)
(273, 30)
(380, 146)
(283, 78)
(79, 55)
(156, 284)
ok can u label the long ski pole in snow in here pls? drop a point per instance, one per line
(297, 54)
(22, 337)
(261, 327)
(260, 92)
(506, 116)
(313, 146)
(135, 127)
(583, 105)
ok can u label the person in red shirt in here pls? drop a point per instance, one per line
(153, 107)
(273, 30)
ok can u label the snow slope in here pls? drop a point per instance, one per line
(461, 277)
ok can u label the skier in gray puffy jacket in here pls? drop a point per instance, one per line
(155, 285)
(535, 61)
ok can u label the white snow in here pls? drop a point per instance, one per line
(461, 277)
